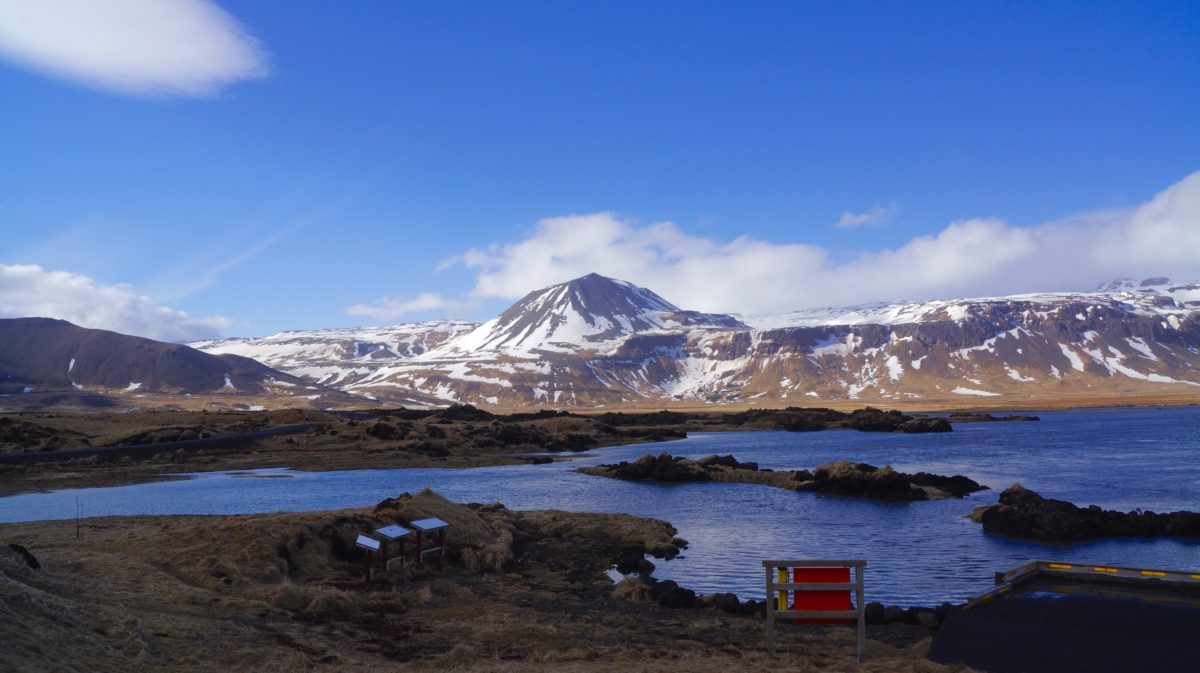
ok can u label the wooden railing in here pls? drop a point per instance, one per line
(778, 589)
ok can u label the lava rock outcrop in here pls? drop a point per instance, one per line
(838, 478)
(1023, 513)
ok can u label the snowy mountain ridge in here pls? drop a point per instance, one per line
(1145, 298)
(596, 341)
(341, 356)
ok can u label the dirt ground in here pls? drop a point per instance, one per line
(520, 591)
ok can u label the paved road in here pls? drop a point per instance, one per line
(239, 441)
(1071, 633)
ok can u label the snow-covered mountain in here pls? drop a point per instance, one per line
(342, 358)
(597, 341)
(588, 313)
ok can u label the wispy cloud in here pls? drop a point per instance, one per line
(27, 290)
(138, 47)
(877, 216)
(395, 308)
(203, 269)
(970, 257)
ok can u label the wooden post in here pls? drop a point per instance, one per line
(770, 611)
(862, 614)
(424, 529)
(369, 545)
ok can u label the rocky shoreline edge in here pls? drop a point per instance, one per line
(838, 478)
(1023, 513)
(51, 452)
(644, 588)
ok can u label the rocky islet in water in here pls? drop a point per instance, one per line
(1023, 513)
(839, 478)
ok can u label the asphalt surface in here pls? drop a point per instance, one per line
(1044, 632)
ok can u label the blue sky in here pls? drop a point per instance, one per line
(348, 151)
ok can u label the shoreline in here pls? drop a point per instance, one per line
(134, 448)
(365, 440)
(524, 587)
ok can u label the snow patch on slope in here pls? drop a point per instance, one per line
(971, 391)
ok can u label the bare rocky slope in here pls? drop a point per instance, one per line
(39, 355)
(595, 342)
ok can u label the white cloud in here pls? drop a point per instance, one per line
(971, 257)
(877, 216)
(26, 290)
(394, 308)
(140, 47)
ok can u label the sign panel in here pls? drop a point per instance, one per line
(393, 532)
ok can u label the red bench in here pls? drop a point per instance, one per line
(821, 591)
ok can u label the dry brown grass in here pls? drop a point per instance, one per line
(279, 593)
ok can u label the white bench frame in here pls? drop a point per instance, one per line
(774, 586)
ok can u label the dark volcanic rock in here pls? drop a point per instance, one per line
(1023, 513)
(30, 559)
(385, 430)
(926, 424)
(669, 594)
(633, 560)
(870, 419)
(727, 461)
(841, 478)
(860, 479)
(969, 417)
(513, 434)
(726, 602)
(25, 436)
(957, 486)
(655, 418)
(464, 412)
(663, 467)
(792, 419)
(801, 423)
(539, 415)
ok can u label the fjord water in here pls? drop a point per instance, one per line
(918, 553)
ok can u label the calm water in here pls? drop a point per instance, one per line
(918, 553)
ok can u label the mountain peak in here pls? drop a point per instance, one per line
(597, 296)
(586, 312)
